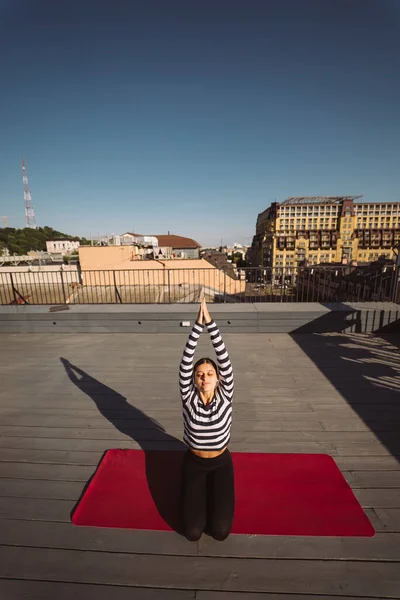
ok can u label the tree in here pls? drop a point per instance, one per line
(236, 257)
(21, 241)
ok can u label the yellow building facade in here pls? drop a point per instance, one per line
(327, 229)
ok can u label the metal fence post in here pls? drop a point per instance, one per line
(13, 288)
(224, 285)
(169, 289)
(340, 295)
(396, 286)
(117, 294)
(62, 284)
(78, 268)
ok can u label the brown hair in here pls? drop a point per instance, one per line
(204, 361)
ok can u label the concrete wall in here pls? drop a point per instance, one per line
(249, 318)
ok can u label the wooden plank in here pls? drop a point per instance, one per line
(135, 417)
(358, 425)
(383, 546)
(71, 490)
(110, 411)
(43, 590)
(111, 433)
(373, 479)
(69, 472)
(365, 448)
(129, 391)
(318, 395)
(104, 425)
(293, 437)
(139, 420)
(43, 509)
(112, 406)
(63, 457)
(214, 595)
(72, 451)
(49, 472)
(368, 463)
(29, 488)
(131, 413)
(162, 412)
(124, 389)
(72, 401)
(378, 498)
(62, 444)
(171, 443)
(367, 408)
(66, 457)
(389, 517)
(81, 440)
(328, 402)
(138, 435)
(169, 407)
(343, 413)
(375, 579)
(64, 535)
(36, 509)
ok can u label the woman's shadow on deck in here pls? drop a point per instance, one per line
(162, 465)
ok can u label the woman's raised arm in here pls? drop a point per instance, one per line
(223, 360)
(186, 383)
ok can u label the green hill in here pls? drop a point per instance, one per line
(20, 241)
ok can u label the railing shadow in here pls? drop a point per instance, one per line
(363, 367)
(162, 463)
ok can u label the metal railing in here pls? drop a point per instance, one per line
(172, 286)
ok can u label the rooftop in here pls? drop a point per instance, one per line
(336, 393)
(317, 200)
(176, 241)
(169, 240)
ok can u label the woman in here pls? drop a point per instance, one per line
(207, 470)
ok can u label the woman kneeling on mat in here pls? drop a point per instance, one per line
(207, 472)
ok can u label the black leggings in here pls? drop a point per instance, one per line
(208, 497)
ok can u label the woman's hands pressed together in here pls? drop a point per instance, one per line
(203, 314)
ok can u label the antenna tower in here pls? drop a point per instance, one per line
(29, 212)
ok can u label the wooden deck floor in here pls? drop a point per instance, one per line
(332, 393)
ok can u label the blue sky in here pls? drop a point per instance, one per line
(191, 116)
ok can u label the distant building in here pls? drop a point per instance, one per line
(162, 252)
(182, 247)
(129, 239)
(238, 249)
(163, 246)
(62, 246)
(324, 229)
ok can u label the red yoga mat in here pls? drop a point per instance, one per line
(275, 494)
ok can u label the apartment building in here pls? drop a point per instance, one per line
(61, 246)
(325, 229)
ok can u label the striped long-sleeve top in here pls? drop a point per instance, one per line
(206, 427)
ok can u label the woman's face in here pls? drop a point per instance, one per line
(205, 378)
